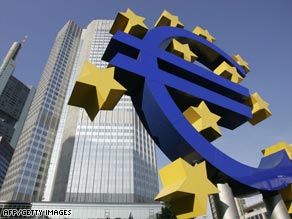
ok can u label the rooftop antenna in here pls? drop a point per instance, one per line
(24, 40)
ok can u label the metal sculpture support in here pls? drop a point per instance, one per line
(223, 204)
(276, 207)
(183, 105)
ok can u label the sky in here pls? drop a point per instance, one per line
(260, 31)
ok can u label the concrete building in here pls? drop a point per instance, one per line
(27, 172)
(255, 209)
(109, 160)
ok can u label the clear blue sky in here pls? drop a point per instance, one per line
(260, 31)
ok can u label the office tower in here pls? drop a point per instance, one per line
(8, 65)
(15, 100)
(109, 160)
(27, 172)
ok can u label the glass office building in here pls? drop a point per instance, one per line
(64, 157)
(109, 160)
(27, 172)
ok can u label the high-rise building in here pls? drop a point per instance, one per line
(109, 160)
(27, 172)
(109, 163)
(15, 100)
(8, 65)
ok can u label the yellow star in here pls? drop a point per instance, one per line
(130, 23)
(289, 207)
(204, 33)
(167, 19)
(288, 204)
(182, 50)
(96, 89)
(186, 188)
(228, 72)
(204, 121)
(278, 147)
(260, 110)
(241, 62)
(286, 194)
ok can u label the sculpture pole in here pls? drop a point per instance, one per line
(275, 206)
(223, 204)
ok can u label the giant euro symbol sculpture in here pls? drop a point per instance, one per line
(183, 105)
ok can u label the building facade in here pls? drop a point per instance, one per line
(6, 152)
(109, 160)
(84, 210)
(255, 210)
(95, 210)
(27, 172)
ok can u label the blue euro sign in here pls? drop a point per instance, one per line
(163, 85)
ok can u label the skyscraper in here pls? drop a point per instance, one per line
(27, 172)
(8, 65)
(109, 160)
(15, 100)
